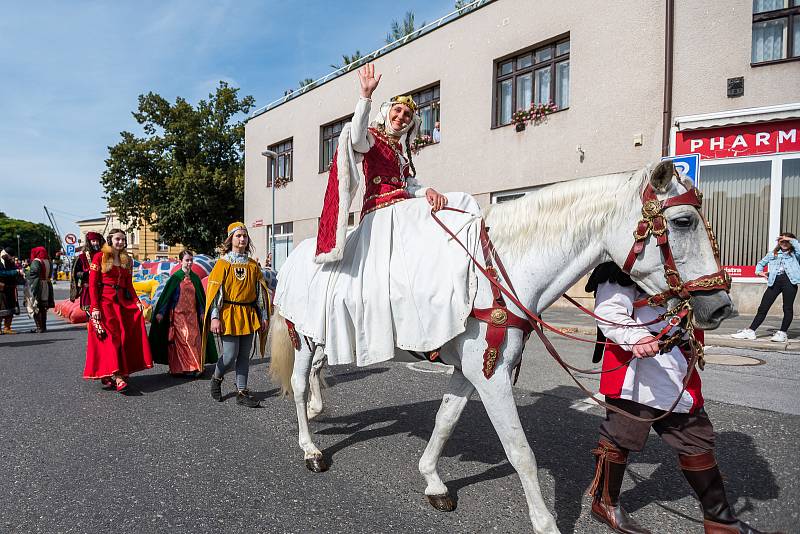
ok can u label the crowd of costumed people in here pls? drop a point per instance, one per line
(149, 280)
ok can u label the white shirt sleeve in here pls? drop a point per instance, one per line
(415, 188)
(615, 303)
(359, 130)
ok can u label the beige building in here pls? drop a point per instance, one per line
(733, 97)
(143, 243)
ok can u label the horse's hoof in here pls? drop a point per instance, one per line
(316, 464)
(443, 503)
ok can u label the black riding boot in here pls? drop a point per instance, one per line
(702, 473)
(605, 488)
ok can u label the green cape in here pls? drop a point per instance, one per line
(159, 329)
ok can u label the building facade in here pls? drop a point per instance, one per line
(143, 242)
(604, 70)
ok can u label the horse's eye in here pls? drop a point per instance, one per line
(682, 222)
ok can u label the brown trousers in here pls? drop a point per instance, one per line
(686, 433)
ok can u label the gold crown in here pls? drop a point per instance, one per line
(406, 100)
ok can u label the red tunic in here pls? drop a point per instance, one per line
(385, 174)
(124, 348)
(615, 369)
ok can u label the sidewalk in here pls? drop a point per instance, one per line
(576, 321)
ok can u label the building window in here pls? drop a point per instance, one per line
(328, 139)
(284, 243)
(507, 196)
(163, 247)
(538, 75)
(736, 200)
(283, 163)
(790, 196)
(776, 30)
(428, 109)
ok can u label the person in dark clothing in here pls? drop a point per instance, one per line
(9, 279)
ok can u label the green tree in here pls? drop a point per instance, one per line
(461, 5)
(306, 81)
(30, 235)
(185, 175)
(347, 60)
(402, 28)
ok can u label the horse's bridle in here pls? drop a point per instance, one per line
(653, 223)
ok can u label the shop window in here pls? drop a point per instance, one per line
(790, 197)
(428, 109)
(736, 202)
(284, 243)
(537, 75)
(776, 30)
(328, 140)
(283, 163)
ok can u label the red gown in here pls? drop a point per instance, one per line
(124, 348)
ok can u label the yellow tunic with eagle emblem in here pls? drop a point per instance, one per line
(238, 290)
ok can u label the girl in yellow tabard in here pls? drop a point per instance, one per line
(237, 307)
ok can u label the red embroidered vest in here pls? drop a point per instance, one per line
(384, 173)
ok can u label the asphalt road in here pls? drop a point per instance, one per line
(167, 458)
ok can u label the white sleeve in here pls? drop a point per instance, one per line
(615, 303)
(359, 130)
(415, 188)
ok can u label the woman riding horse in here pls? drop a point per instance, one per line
(378, 280)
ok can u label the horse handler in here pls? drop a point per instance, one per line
(646, 388)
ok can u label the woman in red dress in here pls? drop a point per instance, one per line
(117, 344)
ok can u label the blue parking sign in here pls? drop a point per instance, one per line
(70, 250)
(688, 166)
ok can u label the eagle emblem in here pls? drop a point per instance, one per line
(240, 273)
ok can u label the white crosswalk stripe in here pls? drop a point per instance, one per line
(22, 324)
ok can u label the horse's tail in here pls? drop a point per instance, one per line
(281, 362)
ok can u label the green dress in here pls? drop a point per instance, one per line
(159, 330)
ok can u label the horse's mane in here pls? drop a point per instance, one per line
(562, 214)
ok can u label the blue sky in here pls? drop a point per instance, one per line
(72, 71)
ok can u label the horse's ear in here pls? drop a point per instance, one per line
(662, 175)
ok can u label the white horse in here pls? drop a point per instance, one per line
(547, 240)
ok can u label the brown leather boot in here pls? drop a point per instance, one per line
(605, 488)
(702, 473)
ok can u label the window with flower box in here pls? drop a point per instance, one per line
(537, 77)
(776, 31)
(282, 165)
(328, 140)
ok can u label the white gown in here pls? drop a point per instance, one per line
(402, 282)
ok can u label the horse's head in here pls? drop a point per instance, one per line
(667, 209)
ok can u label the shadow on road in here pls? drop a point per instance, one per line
(32, 342)
(562, 438)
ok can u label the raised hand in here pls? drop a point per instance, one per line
(368, 80)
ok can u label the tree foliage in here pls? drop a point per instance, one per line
(402, 28)
(461, 5)
(185, 175)
(30, 235)
(347, 60)
(306, 81)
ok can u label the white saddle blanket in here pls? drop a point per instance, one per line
(403, 282)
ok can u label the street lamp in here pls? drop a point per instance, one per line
(272, 159)
(18, 254)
